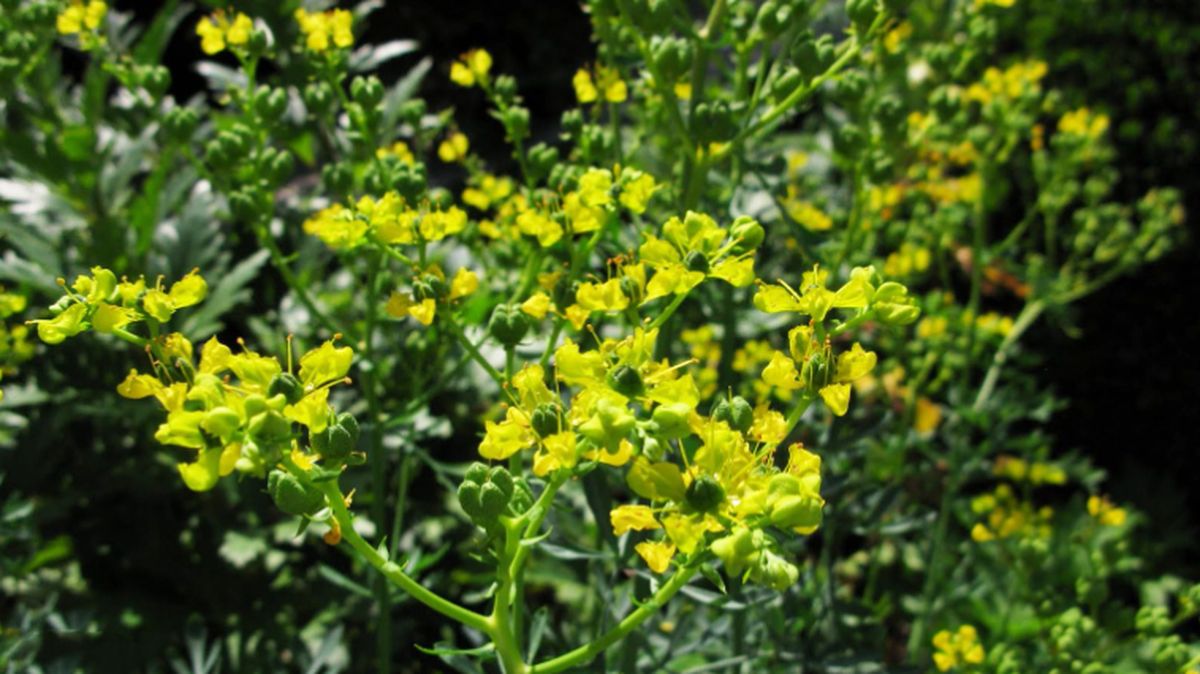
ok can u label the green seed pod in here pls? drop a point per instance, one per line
(547, 419)
(340, 444)
(775, 571)
(704, 494)
(522, 498)
(492, 500)
(797, 512)
(288, 385)
(696, 261)
(626, 381)
(736, 551)
(500, 477)
(542, 159)
(477, 472)
(348, 422)
(670, 56)
(280, 167)
(572, 123)
(319, 442)
(366, 91)
(270, 428)
(672, 419)
(337, 178)
(508, 325)
(254, 404)
(156, 81)
(271, 104)
(862, 13)
(468, 498)
(409, 180)
(221, 422)
(896, 314)
(292, 496)
(736, 412)
(318, 98)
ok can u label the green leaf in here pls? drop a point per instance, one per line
(227, 293)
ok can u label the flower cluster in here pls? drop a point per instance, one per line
(218, 32)
(811, 364)
(958, 648)
(83, 19)
(104, 304)
(387, 220)
(243, 424)
(325, 29)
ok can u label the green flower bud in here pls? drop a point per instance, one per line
(505, 87)
(337, 178)
(292, 496)
(280, 166)
(508, 325)
(516, 123)
(625, 380)
(704, 494)
(671, 57)
(341, 443)
(286, 383)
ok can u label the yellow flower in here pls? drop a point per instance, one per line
(399, 150)
(637, 191)
(1105, 512)
(453, 148)
(781, 372)
(471, 68)
(538, 305)
(607, 81)
(534, 222)
(928, 416)
(657, 554)
(324, 28)
(216, 31)
(338, 226)
(464, 283)
(78, 16)
(605, 296)
(808, 215)
(1084, 123)
(957, 648)
(632, 517)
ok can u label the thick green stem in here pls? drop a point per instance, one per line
(383, 630)
(473, 351)
(588, 652)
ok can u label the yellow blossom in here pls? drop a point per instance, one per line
(79, 16)
(656, 554)
(324, 28)
(471, 68)
(957, 648)
(453, 148)
(632, 517)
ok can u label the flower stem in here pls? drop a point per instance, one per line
(588, 652)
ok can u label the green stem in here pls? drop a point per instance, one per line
(668, 310)
(392, 571)
(588, 652)
(1025, 319)
(281, 265)
(383, 631)
(473, 351)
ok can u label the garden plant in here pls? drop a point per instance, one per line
(725, 369)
